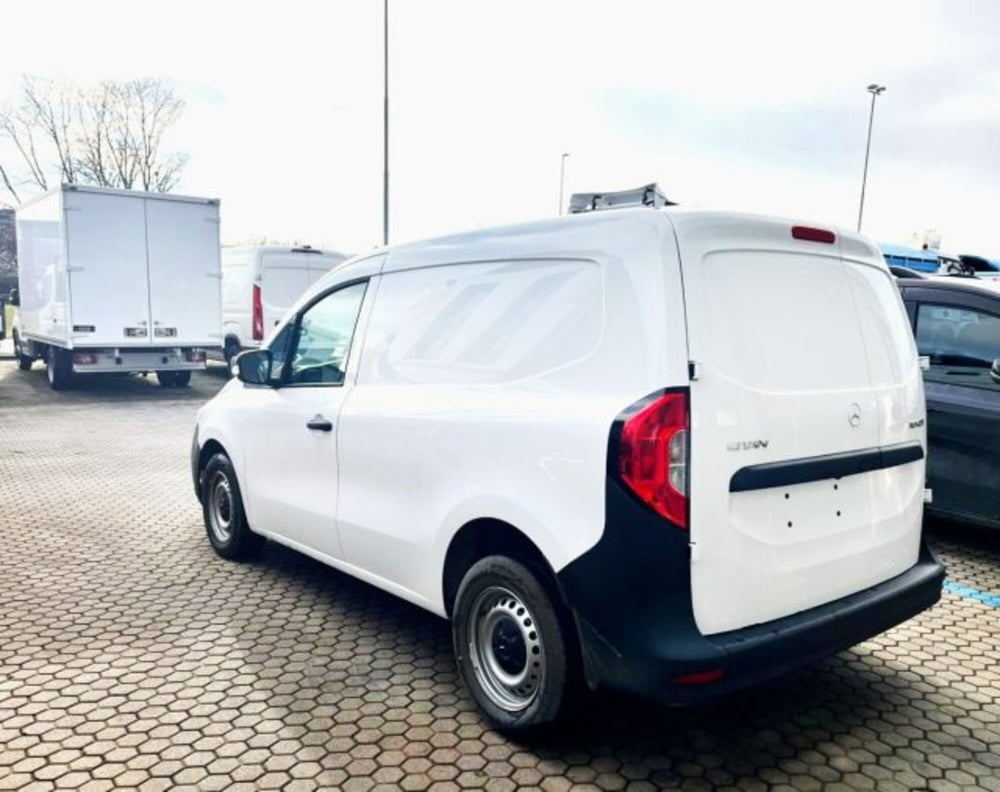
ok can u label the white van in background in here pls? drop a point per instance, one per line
(668, 451)
(260, 283)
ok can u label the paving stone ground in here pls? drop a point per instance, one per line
(131, 656)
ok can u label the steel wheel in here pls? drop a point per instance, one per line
(220, 507)
(506, 649)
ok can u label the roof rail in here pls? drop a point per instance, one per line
(647, 195)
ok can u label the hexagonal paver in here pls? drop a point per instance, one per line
(132, 657)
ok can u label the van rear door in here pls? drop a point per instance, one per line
(284, 278)
(806, 482)
(322, 263)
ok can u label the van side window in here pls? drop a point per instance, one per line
(962, 345)
(471, 324)
(324, 336)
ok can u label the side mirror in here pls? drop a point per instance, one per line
(253, 367)
(995, 371)
(14, 298)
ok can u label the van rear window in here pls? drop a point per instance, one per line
(782, 321)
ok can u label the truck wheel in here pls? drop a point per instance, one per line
(59, 366)
(23, 361)
(166, 378)
(182, 379)
(512, 650)
(230, 350)
(222, 507)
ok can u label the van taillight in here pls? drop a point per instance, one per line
(258, 314)
(653, 454)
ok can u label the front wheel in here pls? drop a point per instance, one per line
(510, 644)
(222, 508)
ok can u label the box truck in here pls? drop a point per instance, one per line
(260, 283)
(118, 281)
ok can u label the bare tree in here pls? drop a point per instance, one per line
(50, 106)
(111, 135)
(156, 110)
(94, 119)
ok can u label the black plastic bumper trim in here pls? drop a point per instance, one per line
(195, 458)
(829, 466)
(754, 654)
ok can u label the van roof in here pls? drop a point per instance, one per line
(537, 237)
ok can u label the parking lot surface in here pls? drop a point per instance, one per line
(131, 656)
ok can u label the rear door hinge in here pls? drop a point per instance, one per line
(694, 370)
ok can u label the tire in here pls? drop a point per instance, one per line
(222, 509)
(23, 361)
(230, 350)
(166, 379)
(511, 646)
(182, 379)
(59, 368)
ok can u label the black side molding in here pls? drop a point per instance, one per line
(829, 466)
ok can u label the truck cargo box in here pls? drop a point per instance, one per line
(119, 269)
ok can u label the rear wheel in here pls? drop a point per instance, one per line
(510, 644)
(167, 379)
(182, 379)
(230, 350)
(23, 361)
(59, 367)
(222, 508)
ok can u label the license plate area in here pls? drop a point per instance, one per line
(782, 516)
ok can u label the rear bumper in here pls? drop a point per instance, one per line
(106, 361)
(638, 641)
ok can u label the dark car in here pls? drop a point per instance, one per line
(957, 326)
(906, 272)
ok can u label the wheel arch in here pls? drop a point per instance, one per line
(487, 536)
(209, 449)
(231, 339)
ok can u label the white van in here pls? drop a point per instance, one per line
(667, 451)
(260, 283)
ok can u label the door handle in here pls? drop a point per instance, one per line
(320, 424)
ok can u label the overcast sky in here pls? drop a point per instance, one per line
(754, 106)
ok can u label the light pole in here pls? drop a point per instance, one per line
(874, 89)
(562, 179)
(385, 129)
